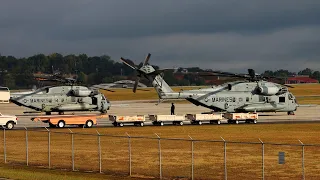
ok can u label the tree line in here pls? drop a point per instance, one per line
(17, 73)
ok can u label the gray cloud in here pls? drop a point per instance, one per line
(227, 35)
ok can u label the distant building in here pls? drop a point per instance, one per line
(300, 79)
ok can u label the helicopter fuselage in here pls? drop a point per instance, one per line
(63, 98)
(244, 97)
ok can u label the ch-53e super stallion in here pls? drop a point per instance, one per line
(254, 94)
(63, 98)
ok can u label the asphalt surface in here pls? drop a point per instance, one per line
(304, 114)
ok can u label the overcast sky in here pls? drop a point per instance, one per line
(229, 35)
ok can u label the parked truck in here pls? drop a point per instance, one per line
(162, 119)
(237, 117)
(137, 120)
(200, 118)
(82, 120)
(8, 121)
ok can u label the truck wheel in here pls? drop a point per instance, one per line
(61, 124)
(121, 124)
(115, 124)
(141, 124)
(89, 123)
(161, 123)
(181, 123)
(200, 123)
(218, 122)
(10, 125)
(254, 121)
(237, 122)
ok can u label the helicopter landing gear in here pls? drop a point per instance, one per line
(290, 113)
(61, 113)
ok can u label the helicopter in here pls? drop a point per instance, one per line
(68, 97)
(253, 94)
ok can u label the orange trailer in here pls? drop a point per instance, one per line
(83, 120)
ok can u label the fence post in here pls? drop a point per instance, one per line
(129, 152)
(72, 150)
(262, 158)
(192, 160)
(99, 151)
(160, 160)
(225, 158)
(4, 145)
(27, 147)
(302, 145)
(49, 144)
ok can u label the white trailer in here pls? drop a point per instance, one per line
(162, 119)
(237, 117)
(137, 120)
(200, 118)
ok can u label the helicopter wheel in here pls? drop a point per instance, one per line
(61, 113)
(290, 113)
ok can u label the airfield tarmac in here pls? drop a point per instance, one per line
(302, 115)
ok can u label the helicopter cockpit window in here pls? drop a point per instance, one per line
(282, 99)
(290, 96)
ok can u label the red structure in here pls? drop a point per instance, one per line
(300, 80)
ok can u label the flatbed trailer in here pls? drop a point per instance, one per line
(162, 119)
(200, 118)
(82, 120)
(137, 120)
(237, 117)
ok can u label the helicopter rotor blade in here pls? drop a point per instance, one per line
(287, 85)
(136, 84)
(146, 61)
(126, 63)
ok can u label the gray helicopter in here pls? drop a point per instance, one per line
(254, 94)
(63, 98)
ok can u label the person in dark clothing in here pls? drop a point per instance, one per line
(172, 109)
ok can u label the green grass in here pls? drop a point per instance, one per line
(32, 173)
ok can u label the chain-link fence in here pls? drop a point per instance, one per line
(160, 157)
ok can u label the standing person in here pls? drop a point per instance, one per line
(172, 109)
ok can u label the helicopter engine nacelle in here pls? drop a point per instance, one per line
(81, 93)
(265, 90)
